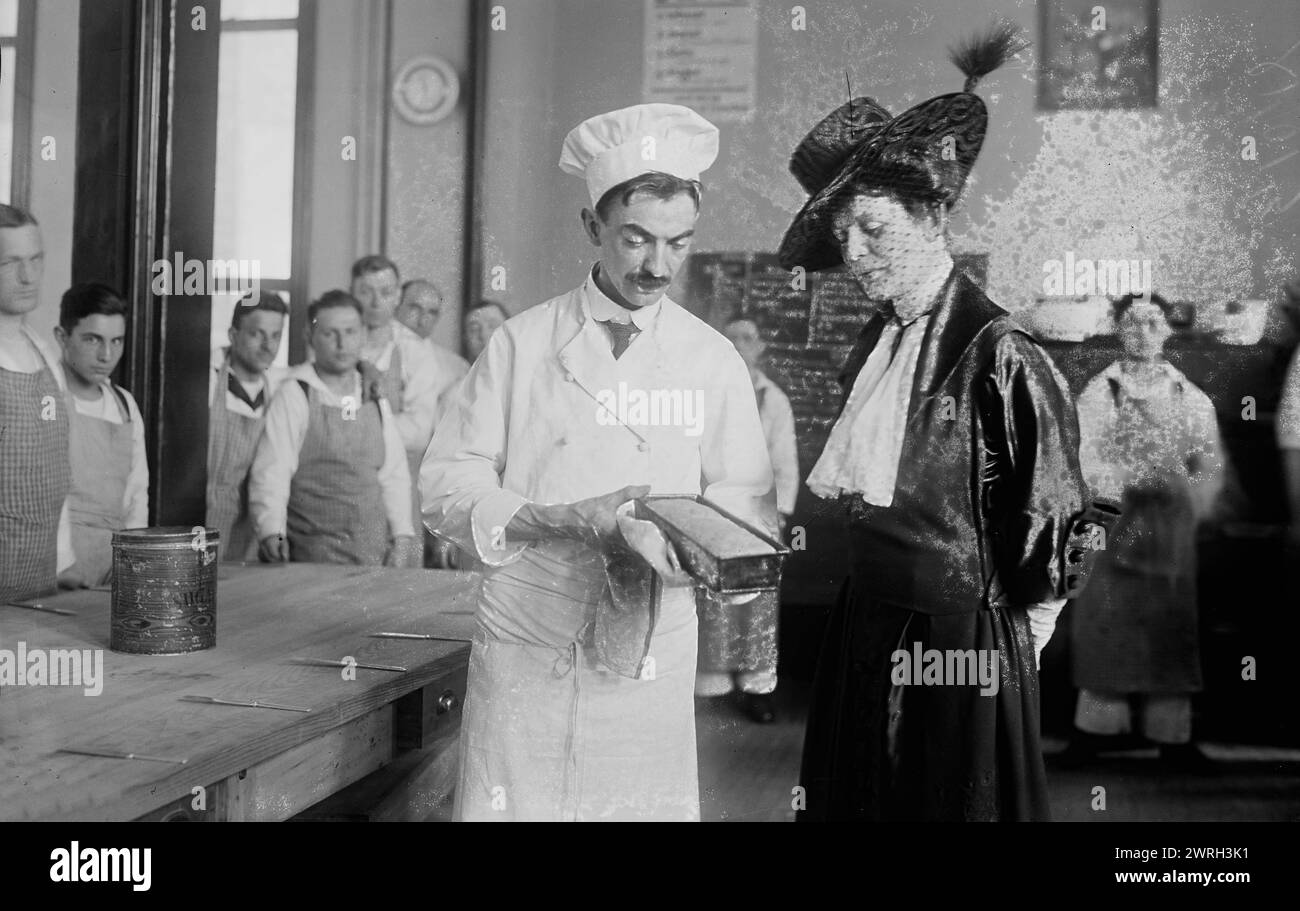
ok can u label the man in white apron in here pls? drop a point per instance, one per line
(35, 540)
(329, 482)
(241, 383)
(410, 376)
(552, 431)
(110, 470)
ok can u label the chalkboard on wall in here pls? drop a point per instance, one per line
(809, 327)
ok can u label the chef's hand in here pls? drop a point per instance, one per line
(591, 520)
(403, 554)
(71, 578)
(595, 520)
(645, 539)
(273, 549)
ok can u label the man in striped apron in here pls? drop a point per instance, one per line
(110, 470)
(35, 544)
(241, 386)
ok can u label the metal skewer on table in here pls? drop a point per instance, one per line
(415, 636)
(119, 754)
(255, 704)
(32, 605)
(330, 662)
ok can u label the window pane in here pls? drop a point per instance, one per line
(255, 126)
(7, 58)
(258, 9)
(9, 22)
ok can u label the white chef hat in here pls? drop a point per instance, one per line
(609, 149)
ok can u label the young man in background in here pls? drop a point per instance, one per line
(110, 470)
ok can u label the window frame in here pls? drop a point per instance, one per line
(20, 157)
(296, 285)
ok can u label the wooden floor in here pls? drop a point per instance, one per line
(747, 772)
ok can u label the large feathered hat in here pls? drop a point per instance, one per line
(925, 153)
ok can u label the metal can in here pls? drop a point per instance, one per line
(164, 590)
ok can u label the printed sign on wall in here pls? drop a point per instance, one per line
(703, 54)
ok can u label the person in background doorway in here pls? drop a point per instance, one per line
(419, 311)
(110, 470)
(738, 637)
(241, 383)
(1149, 438)
(330, 482)
(35, 472)
(776, 413)
(481, 321)
(408, 372)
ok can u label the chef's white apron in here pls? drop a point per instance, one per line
(547, 733)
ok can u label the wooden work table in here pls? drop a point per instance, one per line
(251, 763)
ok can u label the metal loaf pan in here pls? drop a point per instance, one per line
(724, 575)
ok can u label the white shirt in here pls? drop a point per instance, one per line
(782, 447)
(451, 370)
(269, 382)
(1161, 423)
(135, 498)
(66, 556)
(423, 382)
(276, 460)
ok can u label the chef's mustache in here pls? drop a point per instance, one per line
(646, 278)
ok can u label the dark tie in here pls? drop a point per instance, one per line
(622, 333)
(237, 389)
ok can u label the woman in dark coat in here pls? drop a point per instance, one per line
(956, 457)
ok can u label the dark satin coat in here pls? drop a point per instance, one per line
(988, 487)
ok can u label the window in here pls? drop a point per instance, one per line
(15, 97)
(257, 103)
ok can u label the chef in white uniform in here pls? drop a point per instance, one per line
(526, 469)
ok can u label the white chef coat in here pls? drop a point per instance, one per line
(135, 498)
(277, 457)
(782, 447)
(558, 736)
(67, 557)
